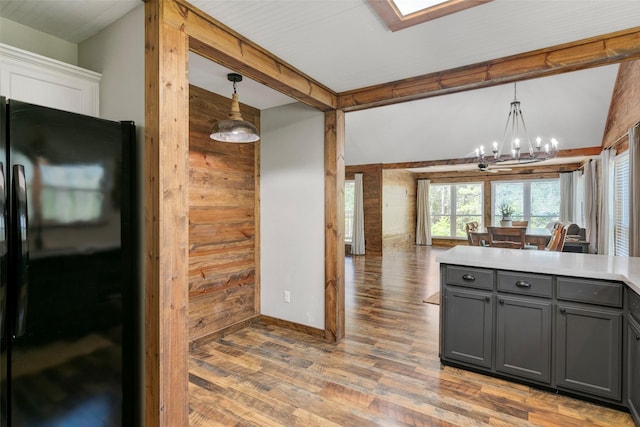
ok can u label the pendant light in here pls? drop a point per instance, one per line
(234, 129)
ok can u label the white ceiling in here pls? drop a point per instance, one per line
(344, 45)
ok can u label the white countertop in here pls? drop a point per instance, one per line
(622, 269)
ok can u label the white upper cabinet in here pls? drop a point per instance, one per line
(36, 79)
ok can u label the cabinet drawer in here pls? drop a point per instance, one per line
(480, 278)
(589, 291)
(634, 304)
(525, 284)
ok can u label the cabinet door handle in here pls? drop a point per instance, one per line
(523, 284)
(563, 310)
(637, 338)
(501, 301)
(468, 277)
(487, 299)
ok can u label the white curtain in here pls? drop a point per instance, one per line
(606, 203)
(578, 198)
(423, 224)
(591, 205)
(357, 239)
(634, 190)
(567, 198)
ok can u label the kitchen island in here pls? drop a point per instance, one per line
(568, 322)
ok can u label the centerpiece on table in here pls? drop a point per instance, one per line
(506, 210)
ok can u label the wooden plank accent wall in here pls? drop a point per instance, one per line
(166, 148)
(399, 189)
(372, 204)
(222, 220)
(624, 111)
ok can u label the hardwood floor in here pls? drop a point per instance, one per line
(385, 372)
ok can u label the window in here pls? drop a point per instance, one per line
(621, 205)
(453, 205)
(349, 191)
(535, 201)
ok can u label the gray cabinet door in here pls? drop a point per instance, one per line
(588, 357)
(523, 338)
(468, 326)
(633, 369)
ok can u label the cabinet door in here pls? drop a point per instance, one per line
(588, 357)
(468, 324)
(523, 340)
(633, 369)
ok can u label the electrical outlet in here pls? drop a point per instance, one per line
(287, 296)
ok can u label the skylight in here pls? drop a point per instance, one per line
(399, 14)
(407, 7)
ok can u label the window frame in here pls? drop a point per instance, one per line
(525, 214)
(453, 205)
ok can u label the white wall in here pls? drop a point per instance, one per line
(118, 53)
(26, 38)
(292, 214)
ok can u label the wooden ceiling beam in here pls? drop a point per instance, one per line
(215, 41)
(573, 152)
(592, 52)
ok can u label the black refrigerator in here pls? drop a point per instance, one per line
(67, 268)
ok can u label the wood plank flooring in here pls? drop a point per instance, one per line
(385, 372)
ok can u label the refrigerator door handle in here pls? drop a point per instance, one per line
(19, 184)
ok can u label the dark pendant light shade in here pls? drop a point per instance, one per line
(234, 129)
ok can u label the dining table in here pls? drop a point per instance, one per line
(538, 237)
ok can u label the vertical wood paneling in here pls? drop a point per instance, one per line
(624, 111)
(222, 220)
(166, 230)
(334, 224)
(399, 189)
(372, 204)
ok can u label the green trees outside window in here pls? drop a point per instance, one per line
(536, 201)
(453, 205)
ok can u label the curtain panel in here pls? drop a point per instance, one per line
(567, 198)
(357, 239)
(423, 223)
(590, 205)
(606, 203)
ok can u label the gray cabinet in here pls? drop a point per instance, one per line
(468, 327)
(560, 332)
(588, 350)
(523, 338)
(633, 369)
(632, 356)
(589, 337)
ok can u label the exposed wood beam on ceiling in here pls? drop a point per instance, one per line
(220, 44)
(574, 152)
(596, 51)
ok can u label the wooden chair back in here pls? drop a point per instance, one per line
(471, 227)
(520, 223)
(507, 237)
(558, 236)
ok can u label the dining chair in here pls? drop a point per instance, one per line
(471, 227)
(507, 237)
(520, 223)
(558, 237)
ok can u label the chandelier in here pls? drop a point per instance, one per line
(516, 143)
